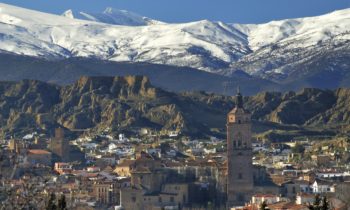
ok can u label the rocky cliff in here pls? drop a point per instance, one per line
(129, 102)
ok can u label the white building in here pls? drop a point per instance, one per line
(304, 198)
(322, 186)
(267, 198)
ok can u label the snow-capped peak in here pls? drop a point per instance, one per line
(112, 35)
(113, 16)
(308, 31)
(68, 14)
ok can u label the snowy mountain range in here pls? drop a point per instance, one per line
(113, 16)
(278, 50)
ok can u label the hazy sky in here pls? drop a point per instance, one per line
(233, 11)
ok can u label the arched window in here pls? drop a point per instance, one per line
(239, 139)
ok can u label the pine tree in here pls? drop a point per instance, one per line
(51, 205)
(62, 204)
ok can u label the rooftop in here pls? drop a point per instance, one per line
(39, 152)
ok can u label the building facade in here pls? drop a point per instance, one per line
(240, 180)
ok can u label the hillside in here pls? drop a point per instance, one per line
(172, 78)
(126, 103)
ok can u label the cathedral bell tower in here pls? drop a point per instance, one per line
(240, 181)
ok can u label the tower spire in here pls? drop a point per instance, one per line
(239, 98)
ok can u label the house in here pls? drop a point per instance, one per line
(138, 199)
(304, 198)
(63, 168)
(258, 199)
(106, 192)
(293, 187)
(143, 159)
(287, 205)
(322, 186)
(124, 168)
(321, 159)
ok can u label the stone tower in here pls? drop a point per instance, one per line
(240, 180)
(60, 146)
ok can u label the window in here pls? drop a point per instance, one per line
(239, 139)
(240, 176)
(133, 199)
(172, 199)
(159, 199)
(239, 121)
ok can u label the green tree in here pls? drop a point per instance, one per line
(62, 204)
(298, 149)
(51, 205)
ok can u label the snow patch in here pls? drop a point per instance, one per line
(8, 19)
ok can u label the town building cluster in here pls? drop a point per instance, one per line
(152, 171)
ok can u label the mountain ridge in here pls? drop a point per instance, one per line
(126, 103)
(224, 42)
(284, 52)
(112, 16)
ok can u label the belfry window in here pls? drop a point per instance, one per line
(239, 140)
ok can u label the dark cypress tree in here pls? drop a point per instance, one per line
(62, 204)
(325, 204)
(263, 206)
(51, 205)
(316, 204)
